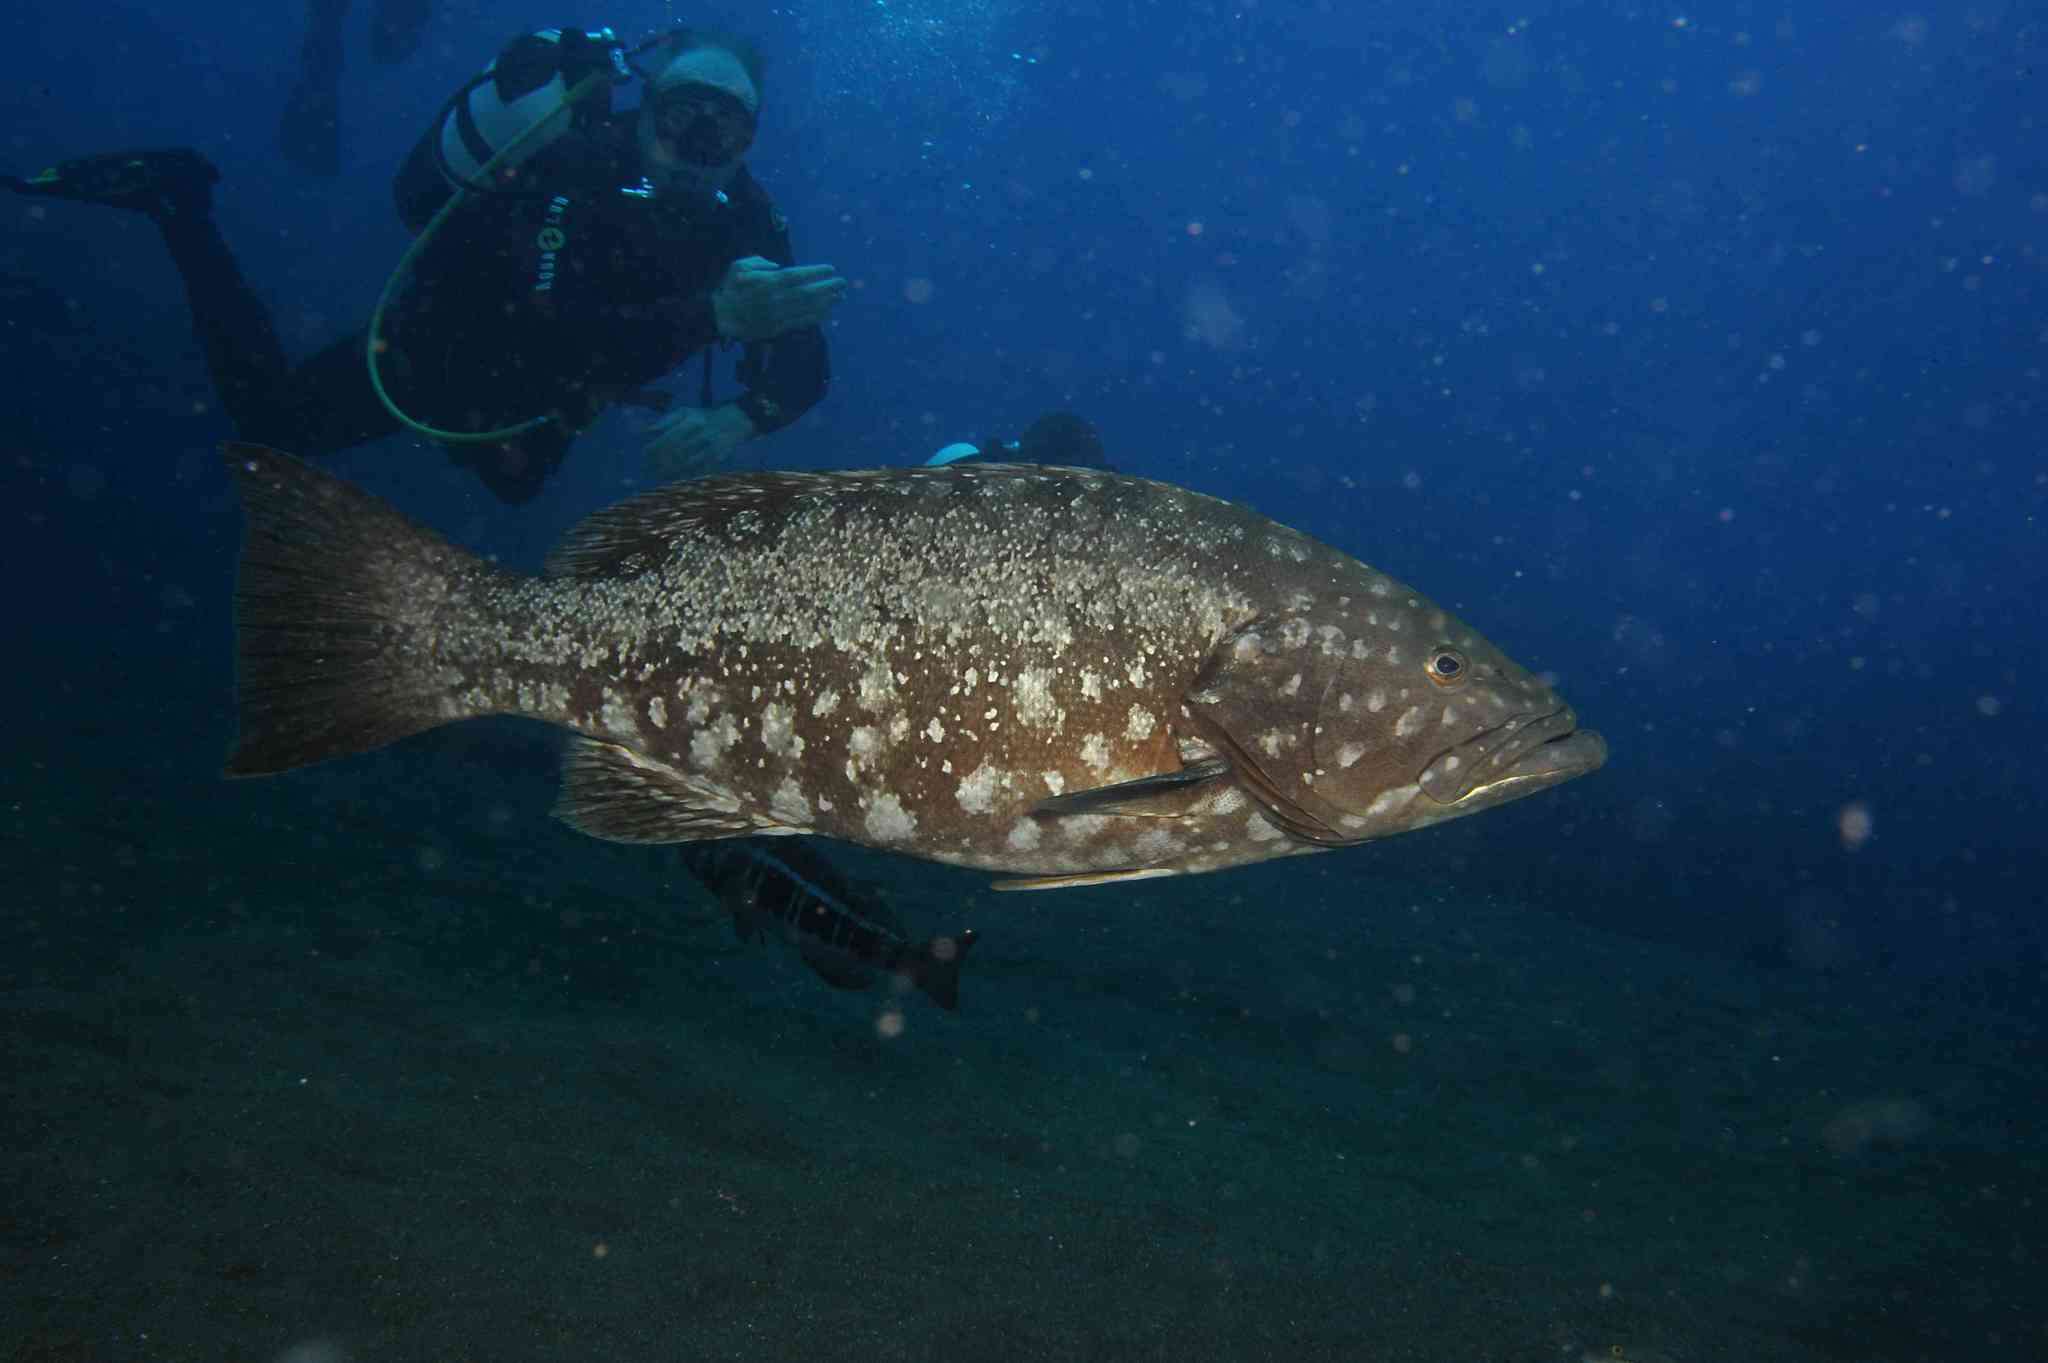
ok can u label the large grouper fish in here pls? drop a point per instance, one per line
(1065, 675)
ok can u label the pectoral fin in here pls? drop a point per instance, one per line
(1164, 795)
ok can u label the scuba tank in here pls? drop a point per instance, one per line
(530, 81)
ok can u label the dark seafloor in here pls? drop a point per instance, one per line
(377, 1062)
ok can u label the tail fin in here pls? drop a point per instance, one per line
(936, 968)
(333, 645)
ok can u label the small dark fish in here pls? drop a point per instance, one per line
(780, 887)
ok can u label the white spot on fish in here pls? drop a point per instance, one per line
(1388, 801)
(789, 805)
(1410, 722)
(1083, 827)
(888, 821)
(619, 719)
(657, 712)
(778, 732)
(935, 731)
(1292, 686)
(1139, 724)
(708, 744)
(1091, 685)
(1095, 752)
(1376, 701)
(877, 688)
(1349, 753)
(825, 704)
(976, 793)
(1032, 693)
(1024, 835)
(1156, 844)
(863, 745)
(700, 705)
(1054, 782)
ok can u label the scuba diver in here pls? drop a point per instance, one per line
(565, 257)
(1055, 438)
(309, 133)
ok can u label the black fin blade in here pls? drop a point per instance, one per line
(836, 971)
(936, 969)
(610, 791)
(1124, 796)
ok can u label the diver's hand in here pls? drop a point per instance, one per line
(694, 440)
(759, 299)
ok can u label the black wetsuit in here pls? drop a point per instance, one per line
(558, 301)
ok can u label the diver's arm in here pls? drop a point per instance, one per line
(786, 375)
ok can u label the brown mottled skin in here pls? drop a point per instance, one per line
(915, 659)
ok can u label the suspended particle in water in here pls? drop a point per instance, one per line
(1854, 824)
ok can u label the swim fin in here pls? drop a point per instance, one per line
(171, 182)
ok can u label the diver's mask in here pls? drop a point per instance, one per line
(692, 136)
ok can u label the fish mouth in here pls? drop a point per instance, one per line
(1507, 762)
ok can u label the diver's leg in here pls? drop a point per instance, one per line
(395, 28)
(233, 327)
(310, 131)
(174, 188)
(324, 405)
(319, 407)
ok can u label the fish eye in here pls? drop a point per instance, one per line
(1447, 667)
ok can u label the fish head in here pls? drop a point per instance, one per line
(1367, 716)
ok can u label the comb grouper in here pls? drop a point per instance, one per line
(1068, 676)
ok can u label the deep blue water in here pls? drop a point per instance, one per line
(1695, 357)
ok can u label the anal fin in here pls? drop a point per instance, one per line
(610, 791)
